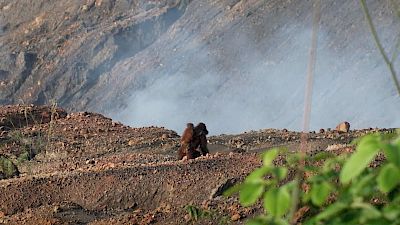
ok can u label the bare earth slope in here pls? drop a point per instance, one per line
(60, 49)
(87, 169)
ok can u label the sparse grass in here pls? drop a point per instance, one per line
(26, 145)
(197, 214)
(7, 168)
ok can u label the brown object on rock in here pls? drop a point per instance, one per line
(200, 139)
(186, 140)
(235, 217)
(193, 142)
(343, 127)
(321, 131)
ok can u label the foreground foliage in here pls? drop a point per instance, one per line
(335, 189)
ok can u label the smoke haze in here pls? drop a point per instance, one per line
(262, 84)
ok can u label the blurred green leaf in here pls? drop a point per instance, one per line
(269, 156)
(250, 193)
(368, 211)
(320, 192)
(391, 212)
(257, 174)
(260, 220)
(392, 153)
(365, 152)
(331, 211)
(363, 184)
(388, 178)
(277, 201)
(232, 190)
(322, 156)
(280, 172)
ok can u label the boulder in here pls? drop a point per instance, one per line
(343, 127)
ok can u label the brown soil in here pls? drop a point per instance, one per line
(88, 169)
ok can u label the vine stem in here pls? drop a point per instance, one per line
(379, 45)
(307, 109)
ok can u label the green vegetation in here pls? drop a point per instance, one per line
(197, 214)
(337, 189)
(7, 168)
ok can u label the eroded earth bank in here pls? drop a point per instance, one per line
(84, 168)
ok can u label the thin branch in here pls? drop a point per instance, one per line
(379, 45)
(307, 108)
(395, 51)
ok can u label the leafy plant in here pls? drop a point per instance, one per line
(7, 168)
(340, 189)
(196, 214)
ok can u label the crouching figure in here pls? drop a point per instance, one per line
(193, 142)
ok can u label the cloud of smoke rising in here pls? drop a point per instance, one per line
(264, 87)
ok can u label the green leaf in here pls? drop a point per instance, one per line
(391, 212)
(365, 152)
(388, 178)
(280, 172)
(392, 153)
(257, 174)
(368, 211)
(322, 156)
(364, 184)
(331, 211)
(269, 156)
(250, 192)
(320, 192)
(232, 190)
(261, 220)
(277, 201)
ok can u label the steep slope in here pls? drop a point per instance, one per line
(236, 65)
(58, 50)
(241, 65)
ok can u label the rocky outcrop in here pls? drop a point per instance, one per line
(343, 127)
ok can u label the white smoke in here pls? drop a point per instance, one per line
(265, 89)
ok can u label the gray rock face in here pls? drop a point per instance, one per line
(59, 50)
(235, 65)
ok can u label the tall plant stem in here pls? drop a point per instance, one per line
(379, 45)
(307, 108)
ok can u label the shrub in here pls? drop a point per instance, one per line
(7, 168)
(337, 189)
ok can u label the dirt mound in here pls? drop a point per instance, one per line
(90, 169)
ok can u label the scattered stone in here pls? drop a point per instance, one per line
(343, 127)
(131, 142)
(236, 217)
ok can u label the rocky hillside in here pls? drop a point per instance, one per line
(236, 65)
(84, 168)
(61, 49)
